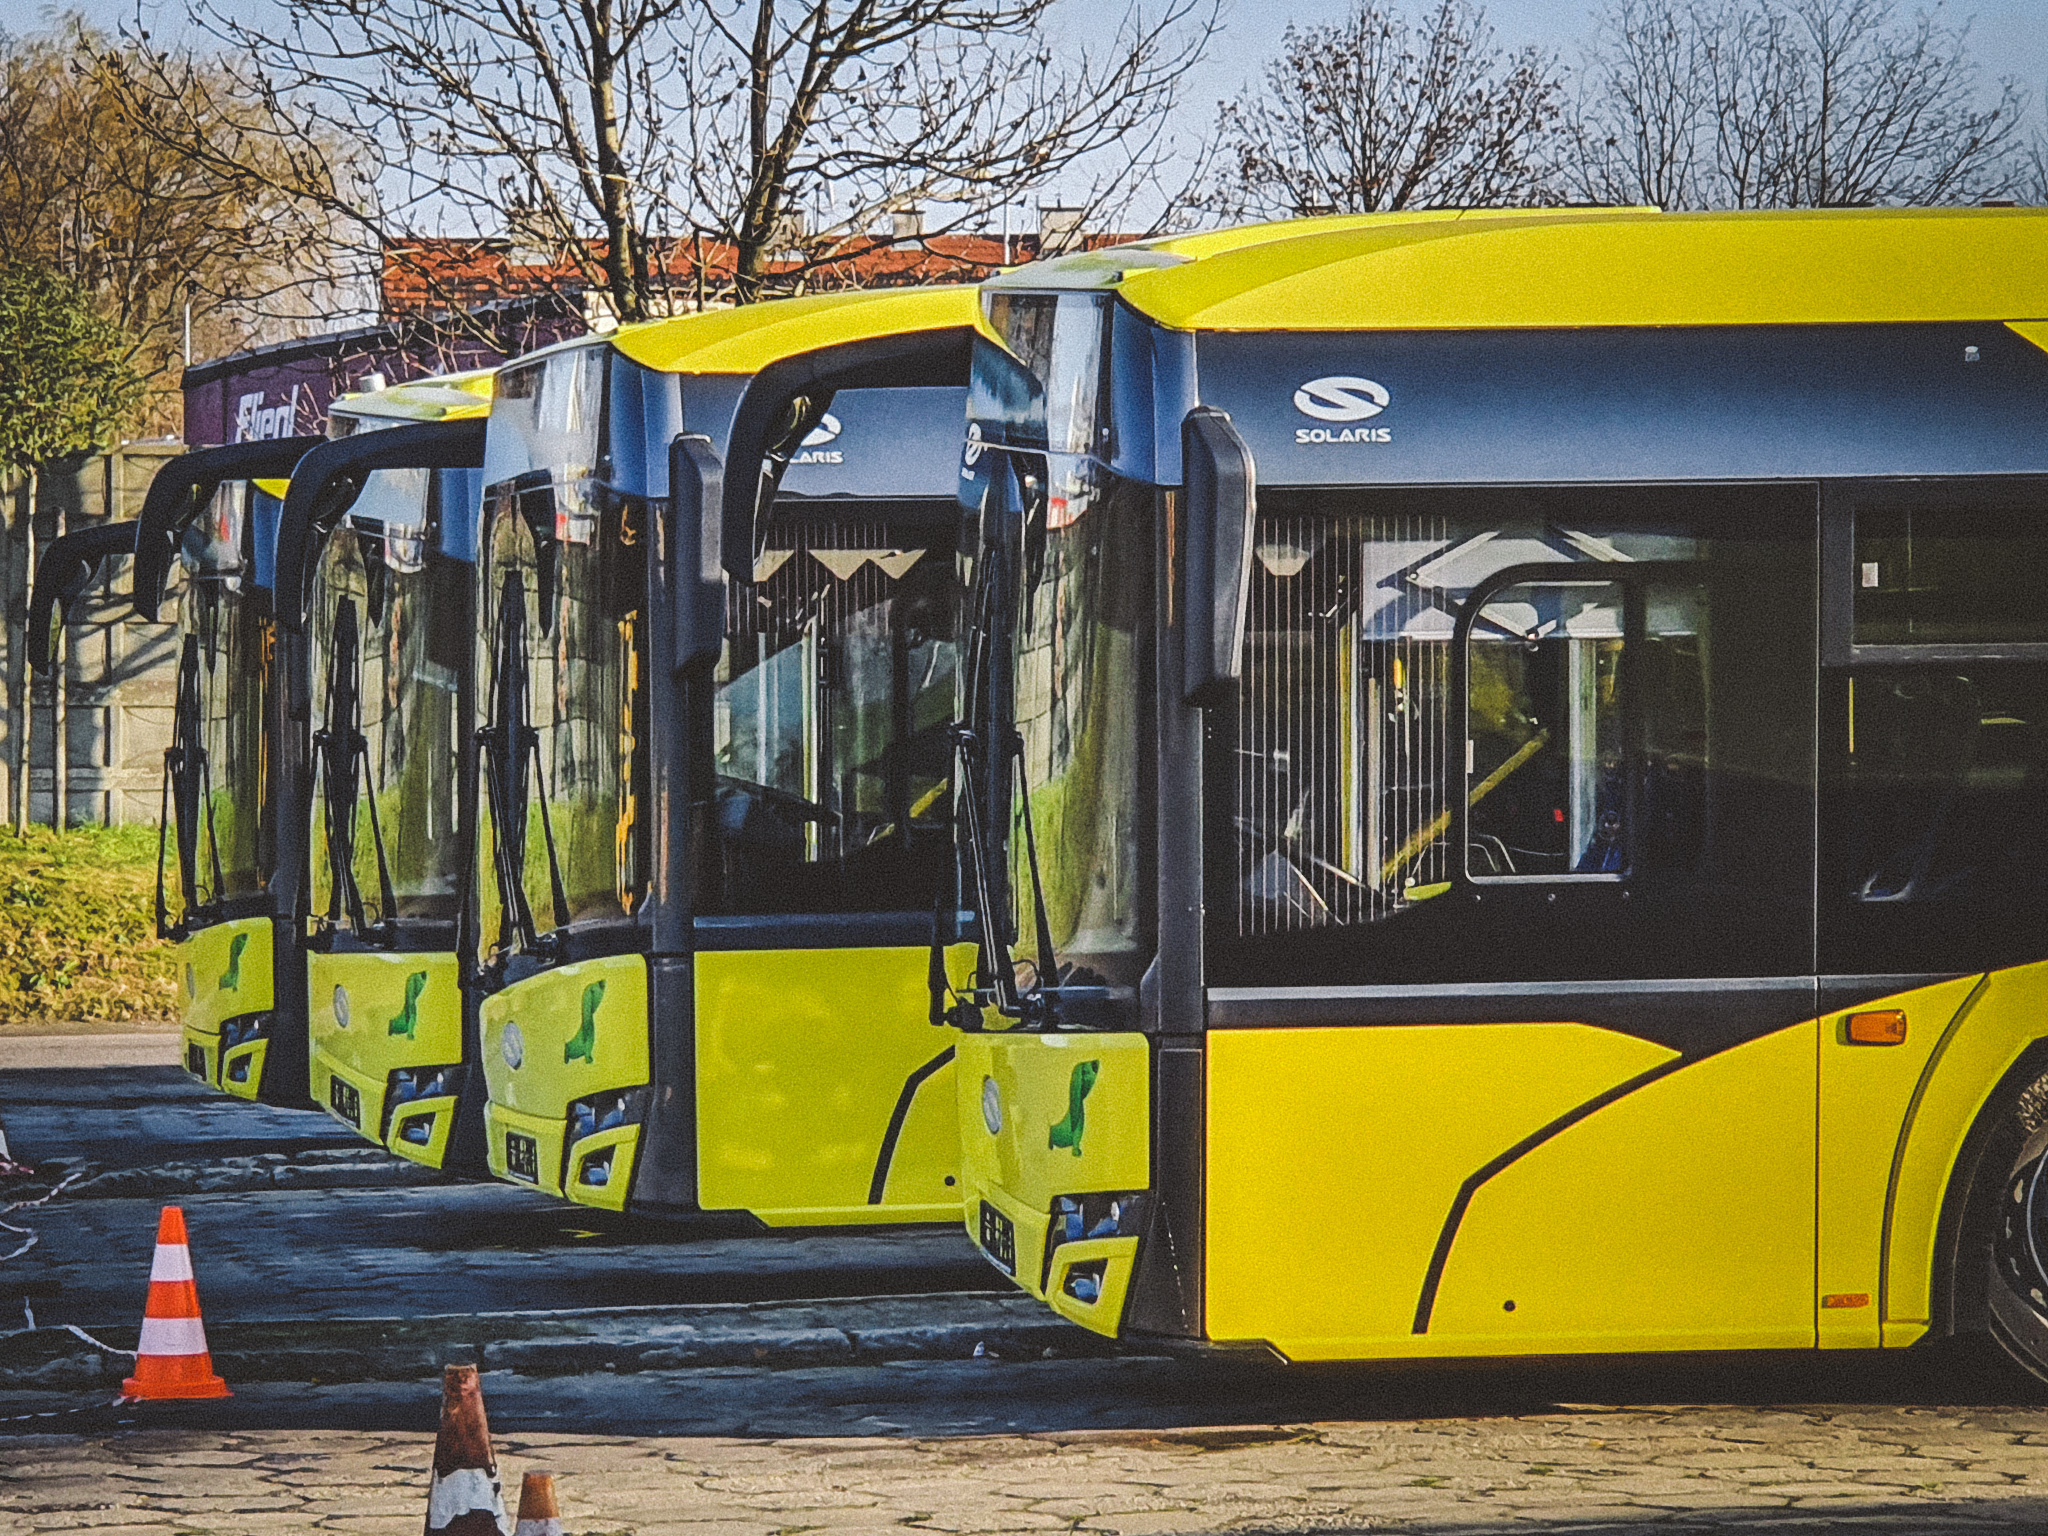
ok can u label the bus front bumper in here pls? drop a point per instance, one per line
(227, 996)
(386, 1034)
(1055, 1139)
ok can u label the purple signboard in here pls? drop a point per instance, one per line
(285, 390)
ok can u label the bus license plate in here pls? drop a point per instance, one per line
(998, 1238)
(522, 1157)
(346, 1102)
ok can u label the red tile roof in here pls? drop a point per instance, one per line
(435, 276)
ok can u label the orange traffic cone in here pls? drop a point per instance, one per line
(464, 1498)
(538, 1513)
(171, 1361)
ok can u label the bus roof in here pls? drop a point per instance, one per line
(445, 397)
(748, 337)
(1565, 268)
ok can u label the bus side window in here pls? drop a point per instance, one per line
(1934, 817)
(1546, 766)
(1934, 728)
(1559, 735)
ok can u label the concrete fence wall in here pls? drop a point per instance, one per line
(119, 674)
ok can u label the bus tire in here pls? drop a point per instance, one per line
(2005, 1229)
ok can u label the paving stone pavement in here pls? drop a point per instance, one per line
(1773, 1471)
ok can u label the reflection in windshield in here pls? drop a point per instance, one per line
(390, 636)
(562, 677)
(218, 783)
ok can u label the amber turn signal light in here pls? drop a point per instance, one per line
(1885, 1026)
(1836, 1300)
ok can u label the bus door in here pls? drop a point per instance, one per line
(1521, 790)
(823, 752)
(1933, 870)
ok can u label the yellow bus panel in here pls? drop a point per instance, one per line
(1335, 1157)
(1865, 1092)
(557, 1036)
(370, 1014)
(804, 1057)
(1980, 1043)
(225, 973)
(1050, 1115)
(1679, 1216)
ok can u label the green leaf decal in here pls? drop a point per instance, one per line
(1067, 1132)
(584, 1044)
(231, 978)
(407, 1022)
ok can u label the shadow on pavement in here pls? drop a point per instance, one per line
(1208, 1398)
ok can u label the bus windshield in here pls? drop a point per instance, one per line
(830, 711)
(216, 772)
(390, 636)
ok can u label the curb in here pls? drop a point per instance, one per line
(778, 1335)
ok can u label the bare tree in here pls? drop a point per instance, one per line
(1786, 104)
(893, 105)
(616, 139)
(147, 225)
(2031, 187)
(1377, 112)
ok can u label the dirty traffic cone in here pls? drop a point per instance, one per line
(465, 1498)
(171, 1361)
(538, 1513)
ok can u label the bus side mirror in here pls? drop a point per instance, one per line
(64, 574)
(1220, 506)
(696, 489)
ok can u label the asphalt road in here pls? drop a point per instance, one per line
(425, 1248)
(432, 1248)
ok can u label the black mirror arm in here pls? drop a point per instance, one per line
(935, 357)
(64, 572)
(329, 478)
(181, 490)
(1220, 509)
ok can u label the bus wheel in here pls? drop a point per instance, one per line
(2016, 1295)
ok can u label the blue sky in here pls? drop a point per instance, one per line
(2008, 37)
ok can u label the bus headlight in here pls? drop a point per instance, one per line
(606, 1111)
(1075, 1218)
(409, 1083)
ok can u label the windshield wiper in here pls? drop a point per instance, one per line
(180, 765)
(997, 982)
(343, 754)
(187, 790)
(508, 744)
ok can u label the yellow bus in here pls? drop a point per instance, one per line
(713, 829)
(376, 577)
(228, 774)
(1516, 748)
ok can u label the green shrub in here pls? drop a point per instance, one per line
(78, 928)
